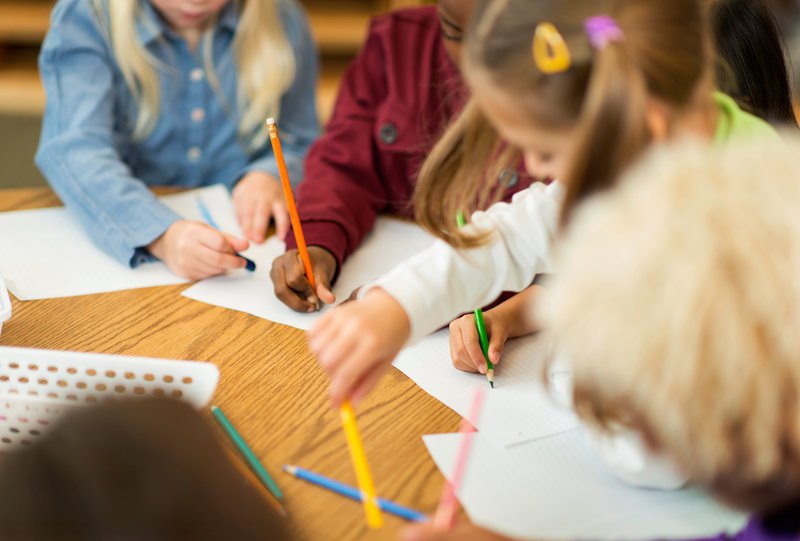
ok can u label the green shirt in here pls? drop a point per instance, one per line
(734, 122)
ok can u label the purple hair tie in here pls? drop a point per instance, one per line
(603, 30)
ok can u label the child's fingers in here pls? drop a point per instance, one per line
(219, 261)
(351, 370)
(298, 281)
(497, 341)
(367, 383)
(324, 292)
(201, 270)
(214, 240)
(325, 331)
(237, 244)
(472, 345)
(260, 221)
(245, 214)
(458, 353)
(281, 217)
(282, 290)
(335, 345)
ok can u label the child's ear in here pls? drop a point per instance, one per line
(657, 118)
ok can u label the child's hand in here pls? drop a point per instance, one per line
(196, 251)
(357, 342)
(511, 319)
(462, 532)
(465, 344)
(258, 197)
(290, 282)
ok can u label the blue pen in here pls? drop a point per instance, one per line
(201, 205)
(353, 493)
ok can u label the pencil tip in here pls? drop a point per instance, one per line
(491, 384)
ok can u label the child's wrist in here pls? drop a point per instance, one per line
(391, 309)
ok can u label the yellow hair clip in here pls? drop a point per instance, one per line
(550, 51)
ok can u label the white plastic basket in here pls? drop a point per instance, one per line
(5, 304)
(37, 386)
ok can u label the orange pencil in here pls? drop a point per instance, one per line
(272, 128)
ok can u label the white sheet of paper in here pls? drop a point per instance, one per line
(557, 489)
(45, 253)
(520, 408)
(391, 242)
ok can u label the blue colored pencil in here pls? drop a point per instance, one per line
(353, 493)
(250, 265)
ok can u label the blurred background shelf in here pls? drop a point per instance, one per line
(339, 27)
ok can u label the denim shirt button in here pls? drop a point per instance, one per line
(194, 154)
(196, 75)
(198, 115)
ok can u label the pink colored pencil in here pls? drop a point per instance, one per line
(445, 516)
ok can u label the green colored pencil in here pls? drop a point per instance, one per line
(248, 454)
(484, 336)
(480, 324)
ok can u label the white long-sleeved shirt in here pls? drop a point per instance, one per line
(442, 282)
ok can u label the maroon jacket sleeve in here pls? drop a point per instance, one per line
(343, 190)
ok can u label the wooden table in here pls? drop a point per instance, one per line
(271, 387)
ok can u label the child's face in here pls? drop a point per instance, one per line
(188, 14)
(545, 150)
(454, 16)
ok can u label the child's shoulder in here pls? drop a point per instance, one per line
(77, 10)
(76, 22)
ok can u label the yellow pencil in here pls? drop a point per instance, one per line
(371, 509)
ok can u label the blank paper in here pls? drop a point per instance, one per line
(520, 408)
(390, 243)
(45, 253)
(556, 488)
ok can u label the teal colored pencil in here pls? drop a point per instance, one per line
(480, 324)
(248, 454)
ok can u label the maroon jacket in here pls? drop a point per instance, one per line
(396, 99)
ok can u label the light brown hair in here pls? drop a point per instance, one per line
(603, 95)
(677, 304)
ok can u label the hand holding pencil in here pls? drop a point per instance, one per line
(297, 226)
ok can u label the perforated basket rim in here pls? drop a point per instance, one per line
(206, 373)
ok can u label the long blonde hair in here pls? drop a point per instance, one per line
(264, 58)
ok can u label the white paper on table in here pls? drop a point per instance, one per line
(520, 408)
(390, 243)
(556, 488)
(45, 253)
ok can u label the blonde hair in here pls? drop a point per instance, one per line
(678, 303)
(264, 58)
(603, 95)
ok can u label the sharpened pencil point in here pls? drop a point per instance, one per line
(491, 384)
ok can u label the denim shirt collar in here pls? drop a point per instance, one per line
(150, 26)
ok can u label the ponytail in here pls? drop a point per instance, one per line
(612, 130)
(590, 68)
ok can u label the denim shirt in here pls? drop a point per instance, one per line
(102, 174)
